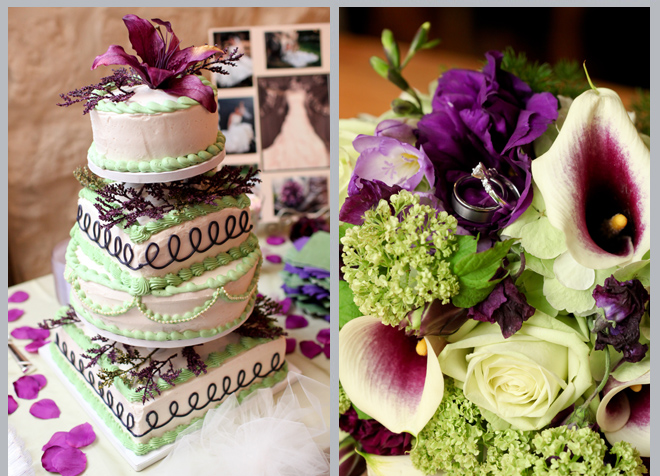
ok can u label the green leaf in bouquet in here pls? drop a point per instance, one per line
(401, 107)
(467, 245)
(638, 270)
(543, 240)
(420, 39)
(489, 260)
(380, 66)
(540, 266)
(531, 284)
(468, 297)
(395, 77)
(361, 415)
(431, 44)
(347, 308)
(391, 48)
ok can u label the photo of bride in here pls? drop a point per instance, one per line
(240, 76)
(237, 124)
(295, 122)
(293, 49)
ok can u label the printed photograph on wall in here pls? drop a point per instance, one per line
(293, 49)
(295, 122)
(239, 76)
(237, 124)
(300, 194)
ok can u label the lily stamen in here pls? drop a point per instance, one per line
(421, 348)
(615, 224)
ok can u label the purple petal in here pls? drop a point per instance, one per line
(286, 305)
(45, 409)
(290, 345)
(295, 321)
(323, 337)
(181, 59)
(12, 405)
(19, 296)
(33, 347)
(117, 55)
(47, 458)
(14, 314)
(81, 436)
(27, 332)
(275, 240)
(27, 387)
(310, 349)
(326, 350)
(191, 86)
(58, 439)
(69, 461)
(145, 40)
(41, 379)
(274, 258)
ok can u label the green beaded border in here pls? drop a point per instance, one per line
(166, 164)
(118, 430)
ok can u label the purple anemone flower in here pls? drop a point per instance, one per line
(163, 64)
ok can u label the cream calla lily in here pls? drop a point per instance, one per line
(392, 466)
(384, 376)
(598, 167)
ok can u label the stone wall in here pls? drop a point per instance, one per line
(50, 52)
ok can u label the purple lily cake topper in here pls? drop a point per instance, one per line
(162, 64)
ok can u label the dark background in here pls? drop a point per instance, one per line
(614, 41)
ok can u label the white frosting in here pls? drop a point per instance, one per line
(231, 367)
(162, 238)
(144, 137)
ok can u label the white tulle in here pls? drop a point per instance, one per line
(261, 436)
(20, 461)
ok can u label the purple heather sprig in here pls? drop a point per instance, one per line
(94, 93)
(69, 318)
(194, 362)
(261, 324)
(149, 375)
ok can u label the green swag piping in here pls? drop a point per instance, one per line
(141, 233)
(166, 164)
(118, 430)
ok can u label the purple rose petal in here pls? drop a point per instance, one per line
(81, 436)
(41, 379)
(14, 314)
(290, 345)
(45, 409)
(326, 350)
(12, 404)
(47, 458)
(69, 461)
(19, 296)
(33, 347)
(27, 387)
(277, 259)
(286, 305)
(58, 439)
(295, 321)
(323, 337)
(275, 240)
(310, 349)
(27, 332)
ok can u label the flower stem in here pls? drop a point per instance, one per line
(584, 65)
(601, 385)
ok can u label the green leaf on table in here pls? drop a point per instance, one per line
(347, 308)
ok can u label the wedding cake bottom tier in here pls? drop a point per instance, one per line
(234, 365)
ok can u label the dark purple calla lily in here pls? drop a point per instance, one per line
(163, 64)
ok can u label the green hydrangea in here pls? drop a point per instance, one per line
(396, 260)
(344, 402)
(508, 452)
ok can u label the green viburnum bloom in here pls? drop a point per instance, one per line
(396, 260)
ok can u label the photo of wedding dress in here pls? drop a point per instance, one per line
(239, 133)
(297, 144)
(293, 49)
(241, 74)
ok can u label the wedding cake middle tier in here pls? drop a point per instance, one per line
(188, 273)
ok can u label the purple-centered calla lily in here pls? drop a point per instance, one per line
(384, 376)
(597, 169)
(624, 413)
(163, 63)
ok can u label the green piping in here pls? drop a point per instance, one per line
(141, 233)
(166, 164)
(121, 279)
(118, 430)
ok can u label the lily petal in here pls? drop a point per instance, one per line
(192, 87)
(597, 167)
(385, 377)
(625, 415)
(145, 40)
(117, 55)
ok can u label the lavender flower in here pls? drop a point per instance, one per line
(194, 362)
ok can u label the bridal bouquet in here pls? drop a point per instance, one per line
(495, 260)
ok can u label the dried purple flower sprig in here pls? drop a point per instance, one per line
(261, 324)
(70, 317)
(118, 203)
(140, 373)
(94, 93)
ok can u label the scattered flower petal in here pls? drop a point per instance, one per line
(81, 436)
(33, 347)
(326, 350)
(14, 314)
(47, 458)
(69, 461)
(27, 332)
(41, 379)
(310, 349)
(295, 321)
(45, 409)
(275, 240)
(58, 439)
(19, 296)
(323, 337)
(12, 405)
(286, 305)
(274, 258)
(290, 345)
(27, 387)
